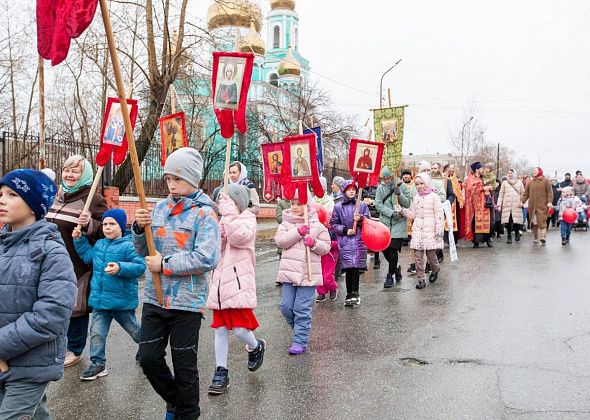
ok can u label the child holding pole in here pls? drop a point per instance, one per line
(188, 245)
(352, 253)
(38, 287)
(295, 237)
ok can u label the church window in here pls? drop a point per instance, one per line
(274, 79)
(276, 37)
(296, 36)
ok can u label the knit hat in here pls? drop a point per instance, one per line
(324, 183)
(185, 163)
(119, 215)
(423, 166)
(49, 172)
(34, 187)
(475, 166)
(240, 194)
(338, 180)
(385, 172)
(406, 172)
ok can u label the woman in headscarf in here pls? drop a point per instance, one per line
(66, 213)
(540, 196)
(478, 217)
(510, 205)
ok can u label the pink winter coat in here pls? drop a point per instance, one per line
(233, 283)
(293, 265)
(428, 227)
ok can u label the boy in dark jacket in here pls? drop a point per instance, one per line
(37, 294)
(113, 289)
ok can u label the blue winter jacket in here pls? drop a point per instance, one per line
(186, 233)
(118, 292)
(37, 294)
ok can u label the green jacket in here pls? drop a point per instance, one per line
(397, 224)
(281, 206)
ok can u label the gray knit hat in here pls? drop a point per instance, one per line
(338, 180)
(240, 194)
(185, 163)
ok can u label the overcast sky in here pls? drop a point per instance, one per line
(526, 63)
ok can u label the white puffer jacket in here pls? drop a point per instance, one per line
(428, 226)
(293, 266)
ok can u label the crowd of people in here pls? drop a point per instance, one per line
(60, 263)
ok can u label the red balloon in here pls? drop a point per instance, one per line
(570, 215)
(588, 212)
(551, 211)
(375, 235)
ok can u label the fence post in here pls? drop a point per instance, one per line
(4, 135)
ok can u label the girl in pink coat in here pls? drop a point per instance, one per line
(232, 287)
(298, 290)
(427, 229)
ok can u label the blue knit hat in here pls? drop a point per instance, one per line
(34, 187)
(119, 215)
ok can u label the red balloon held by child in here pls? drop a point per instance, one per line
(551, 211)
(375, 235)
(570, 215)
(322, 214)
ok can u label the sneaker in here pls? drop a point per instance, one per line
(220, 381)
(334, 294)
(320, 298)
(169, 415)
(348, 300)
(388, 281)
(421, 284)
(412, 268)
(398, 274)
(296, 349)
(428, 269)
(278, 283)
(256, 356)
(71, 359)
(355, 300)
(543, 242)
(563, 242)
(94, 372)
(567, 239)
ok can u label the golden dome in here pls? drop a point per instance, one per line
(282, 4)
(253, 42)
(233, 13)
(289, 66)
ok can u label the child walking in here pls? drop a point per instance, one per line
(187, 241)
(38, 286)
(298, 290)
(113, 288)
(352, 252)
(567, 200)
(427, 229)
(232, 288)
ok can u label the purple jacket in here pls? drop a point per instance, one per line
(352, 252)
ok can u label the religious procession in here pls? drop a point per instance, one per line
(227, 227)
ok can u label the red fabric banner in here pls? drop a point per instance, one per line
(232, 72)
(300, 167)
(272, 160)
(364, 161)
(113, 140)
(58, 22)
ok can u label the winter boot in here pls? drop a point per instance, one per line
(398, 274)
(421, 284)
(256, 356)
(509, 240)
(412, 268)
(517, 235)
(433, 277)
(220, 381)
(388, 281)
(563, 241)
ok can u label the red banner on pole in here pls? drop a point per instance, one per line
(272, 160)
(364, 161)
(300, 167)
(173, 134)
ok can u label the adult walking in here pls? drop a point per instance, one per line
(510, 205)
(539, 194)
(581, 187)
(478, 216)
(66, 212)
(387, 196)
(238, 174)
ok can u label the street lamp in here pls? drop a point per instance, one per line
(462, 142)
(381, 83)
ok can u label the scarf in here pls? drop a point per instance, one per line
(540, 175)
(85, 180)
(427, 182)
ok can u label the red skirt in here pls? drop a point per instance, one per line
(234, 318)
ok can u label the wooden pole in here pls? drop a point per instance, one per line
(92, 192)
(275, 137)
(172, 99)
(227, 159)
(306, 219)
(359, 196)
(3, 366)
(130, 138)
(370, 134)
(40, 70)
(389, 96)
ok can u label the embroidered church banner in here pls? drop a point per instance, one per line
(272, 161)
(389, 129)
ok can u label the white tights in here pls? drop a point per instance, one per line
(222, 342)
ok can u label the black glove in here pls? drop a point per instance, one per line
(397, 191)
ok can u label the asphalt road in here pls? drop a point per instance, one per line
(504, 333)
